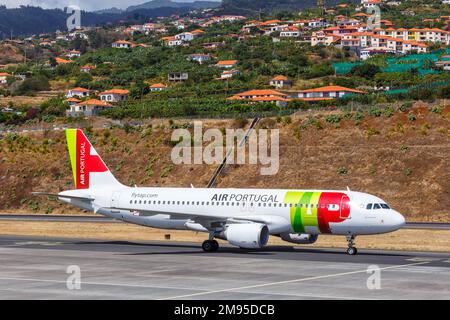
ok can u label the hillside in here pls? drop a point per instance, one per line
(40, 20)
(268, 6)
(174, 4)
(403, 161)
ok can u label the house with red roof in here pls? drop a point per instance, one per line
(87, 68)
(122, 44)
(226, 63)
(327, 93)
(264, 95)
(78, 92)
(87, 108)
(114, 95)
(158, 87)
(3, 77)
(280, 82)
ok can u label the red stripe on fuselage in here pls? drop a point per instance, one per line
(325, 215)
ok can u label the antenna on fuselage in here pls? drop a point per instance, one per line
(348, 189)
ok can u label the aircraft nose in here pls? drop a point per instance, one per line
(397, 220)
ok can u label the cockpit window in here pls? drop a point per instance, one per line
(384, 206)
(376, 206)
(369, 206)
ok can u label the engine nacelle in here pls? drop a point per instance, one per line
(299, 238)
(247, 235)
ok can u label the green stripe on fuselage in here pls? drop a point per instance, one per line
(303, 215)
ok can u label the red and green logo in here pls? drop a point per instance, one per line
(83, 157)
(317, 209)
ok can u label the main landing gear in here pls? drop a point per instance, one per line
(351, 249)
(210, 245)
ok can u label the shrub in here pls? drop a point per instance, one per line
(342, 171)
(333, 118)
(412, 117)
(375, 111)
(405, 106)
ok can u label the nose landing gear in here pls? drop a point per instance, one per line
(351, 249)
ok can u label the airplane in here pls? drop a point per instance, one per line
(243, 217)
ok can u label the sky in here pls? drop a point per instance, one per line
(87, 5)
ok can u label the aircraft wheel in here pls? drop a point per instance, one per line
(216, 245)
(209, 246)
(352, 251)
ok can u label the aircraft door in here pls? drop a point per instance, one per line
(345, 207)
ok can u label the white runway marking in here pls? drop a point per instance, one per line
(290, 281)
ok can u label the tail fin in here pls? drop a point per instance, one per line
(89, 170)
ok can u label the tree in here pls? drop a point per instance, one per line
(365, 70)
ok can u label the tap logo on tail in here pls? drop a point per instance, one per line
(83, 157)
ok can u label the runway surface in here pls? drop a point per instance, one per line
(36, 268)
(68, 218)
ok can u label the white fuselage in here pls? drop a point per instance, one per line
(283, 211)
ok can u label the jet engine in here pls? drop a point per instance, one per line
(299, 238)
(246, 235)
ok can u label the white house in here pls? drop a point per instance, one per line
(78, 92)
(158, 87)
(199, 57)
(185, 36)
(326, 93)
(87, 108)
(227, 64)
(114, 95)
(280, 82)
(122, 44)
(73, 54)
(3, 77)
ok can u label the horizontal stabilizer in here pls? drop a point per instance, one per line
(61, 196)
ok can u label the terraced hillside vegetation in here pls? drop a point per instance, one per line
(401, 155)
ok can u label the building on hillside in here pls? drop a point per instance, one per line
(62, 61)
(444, 64)
(199, 57)
(114, 95)
(228, 74)
(326, 93)
(4, 77)
(158, 87)
(87, 108)
(122, 44)
(253, 96)
(280, 82)
(177, 76)
(87, 68)
(78, 92)
(171, 41)
(321, 38)
(290, 32)
(73, 54)
(227, 64)
(371, 3)
(185, 36)
(369, 52)
(73, 101)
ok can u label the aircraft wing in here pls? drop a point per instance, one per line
(207, 219)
